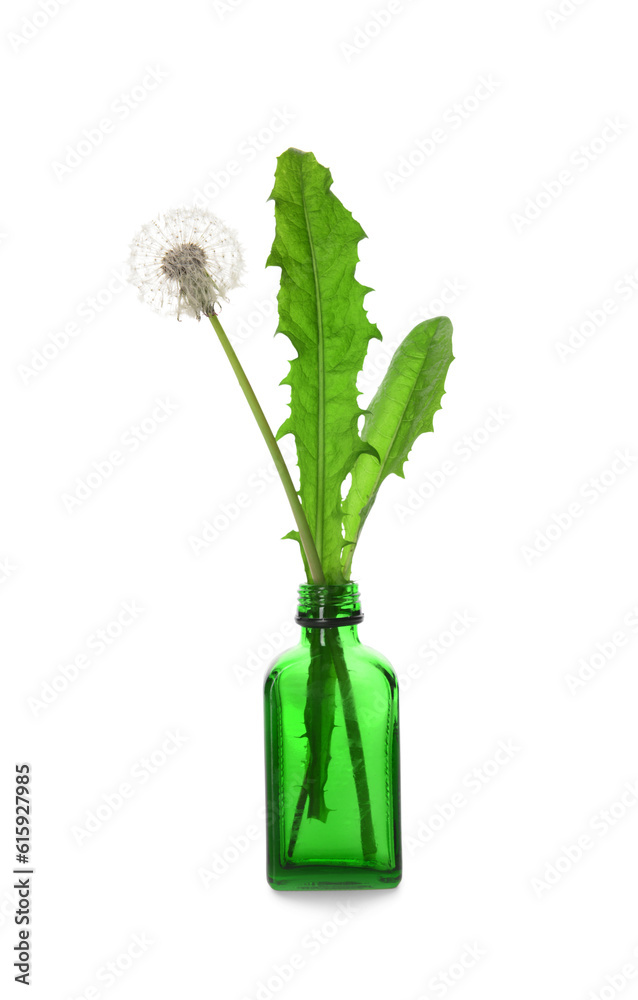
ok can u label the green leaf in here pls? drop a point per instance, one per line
(402, 409)
(319, 717)
(296, 537)
(321, 312)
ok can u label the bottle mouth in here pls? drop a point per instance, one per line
(328, 605)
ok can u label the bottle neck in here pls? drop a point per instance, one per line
(329, 606)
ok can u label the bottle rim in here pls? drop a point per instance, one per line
(328, 605)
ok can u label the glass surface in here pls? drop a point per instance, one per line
(332, 756)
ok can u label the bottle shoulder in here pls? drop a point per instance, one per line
(357, 656)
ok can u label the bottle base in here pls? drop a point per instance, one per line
(332, 877)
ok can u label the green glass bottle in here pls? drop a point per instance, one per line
(332, 753)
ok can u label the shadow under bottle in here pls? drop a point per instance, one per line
(332, 753)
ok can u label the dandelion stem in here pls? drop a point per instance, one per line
(305, 534)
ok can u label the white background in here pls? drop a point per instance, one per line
(361, 97)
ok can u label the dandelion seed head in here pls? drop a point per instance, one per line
(185, 261)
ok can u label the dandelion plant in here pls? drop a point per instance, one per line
(185, 263)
